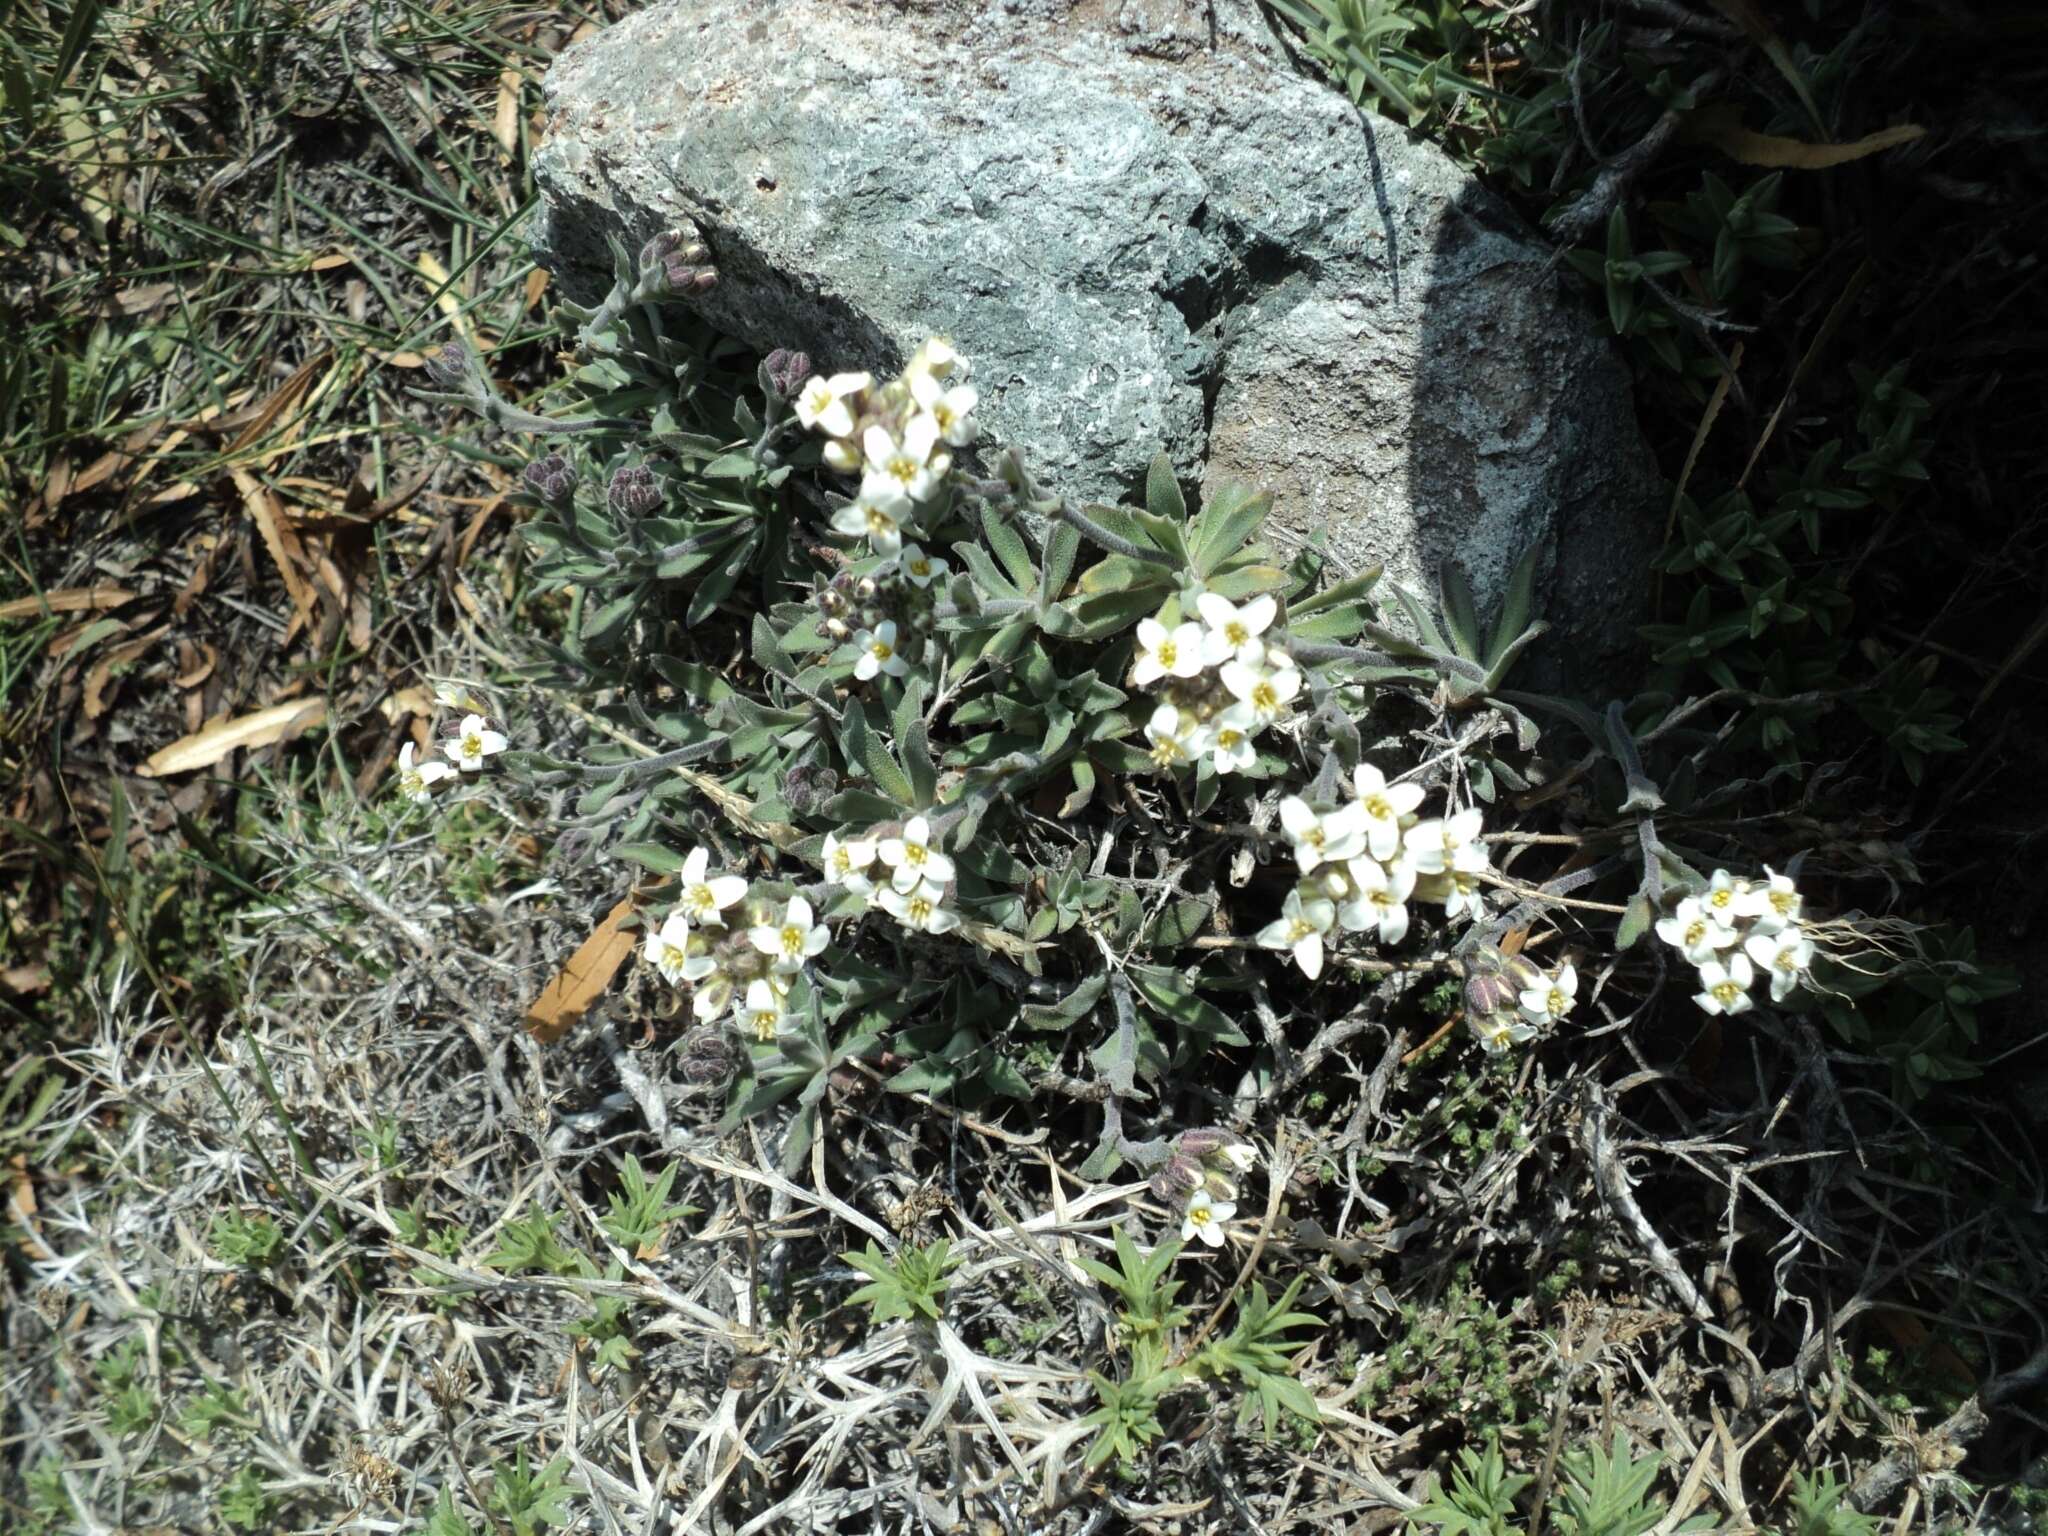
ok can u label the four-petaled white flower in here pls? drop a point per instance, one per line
(1177, 737)
(793, 940)
(473, 742)
(1300, 929)
(947, 408)
(900, 468)
(1783, 956)
(1164, 652)
(847, 863)
(920, 909)
(416, 780)
(1774, 905)
(1232, 742)
(1379, 899)
(704, 901)
(762, 1012)
(1330, 838)
(1233, 631)
(1693, 933)
(1266, 687)
(1549, 1002)
(668, 948)
(826, 405)
(1724, 984)
(1444, 844)
(1726, 897)
(920, 568)
(1204, 1218)
(1385, 806)
(914, 857)
(878, 652)
(877, 521)
(1496, 1034)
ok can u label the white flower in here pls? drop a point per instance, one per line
(1177, 737)
(415, 780)
(1549, 1003)
(878, 652)
(1724, 985)
(1300, 929)
(1265, 687)
(1693, 933)
(1380, 899)
(792, 941)
(1204, 1218)
(934, 360)
(824, 405)
(920, 909)
(1234, 729)
(1240, 1155)
(473, 743)
(914, 857)
(841, 454)
(1330, 838)
(1384, 805)
(947, 408)
(879, 521)
(848, 863)
(1164, 652)
(704, 901)
(1774, 905)
(920, 568)
(1443, 844)
(762, 1012)
(1233, 631)
(1784, 957)
(900, 468)
(1503, 1030)
(1726, 897)
(668, 948)
(713, 992)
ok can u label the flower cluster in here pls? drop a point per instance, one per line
(897, 437)
(1220, 683)
(1738, 929)
(746, 966)
(1361, 864)
(913, 889)
(887, 613)
(1200, 1177)
(465, 750)
(1508, 1000)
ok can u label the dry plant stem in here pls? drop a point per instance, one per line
(1530, 893)
(1612, 1179)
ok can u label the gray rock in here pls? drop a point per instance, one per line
(1147, 231)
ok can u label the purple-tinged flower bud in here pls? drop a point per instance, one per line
(707, 1058)
(551, 478)
(1175, 1181)
(784, 372)
(1204, 1142)
(634, 492)
(451, 367)
(807, 787)
(1489, 993)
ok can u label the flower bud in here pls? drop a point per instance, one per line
(783, 372)
(452, 367)
(1176, 1181)
(836, 630)
(1203, 1143)
(634, 491)
(675, 263)
(551, 478)
(807, 787)
(707, 1058)
(1489, 993)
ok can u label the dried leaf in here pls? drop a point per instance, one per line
(583, 980)
(282, 543)
(1770, 149)
(506, 123)
(66, 600)
(205, 747)
(102, 671)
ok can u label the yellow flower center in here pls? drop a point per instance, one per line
(472, 745)
(1265, 698)
(1229, 738)
(882, 650)
(792, 940)
(1378, 809)
(1786, 961)
(942, 413)
(880, 521)
(1236, 633)
(672, 956)
(1168, 653)
(1557, 1002)
(920, 567)
(1697, 933)
(1302, 929)
(699, 899)
(903, 468)
(842, 864)
(920, 910)
(1720, 899)
(1725, 993)
(1782, 902)
(1166, 751)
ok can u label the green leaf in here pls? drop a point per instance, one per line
(1009, 546)
(663, 861)
(1162, 491)
(1233, 514)
(1461, 613)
